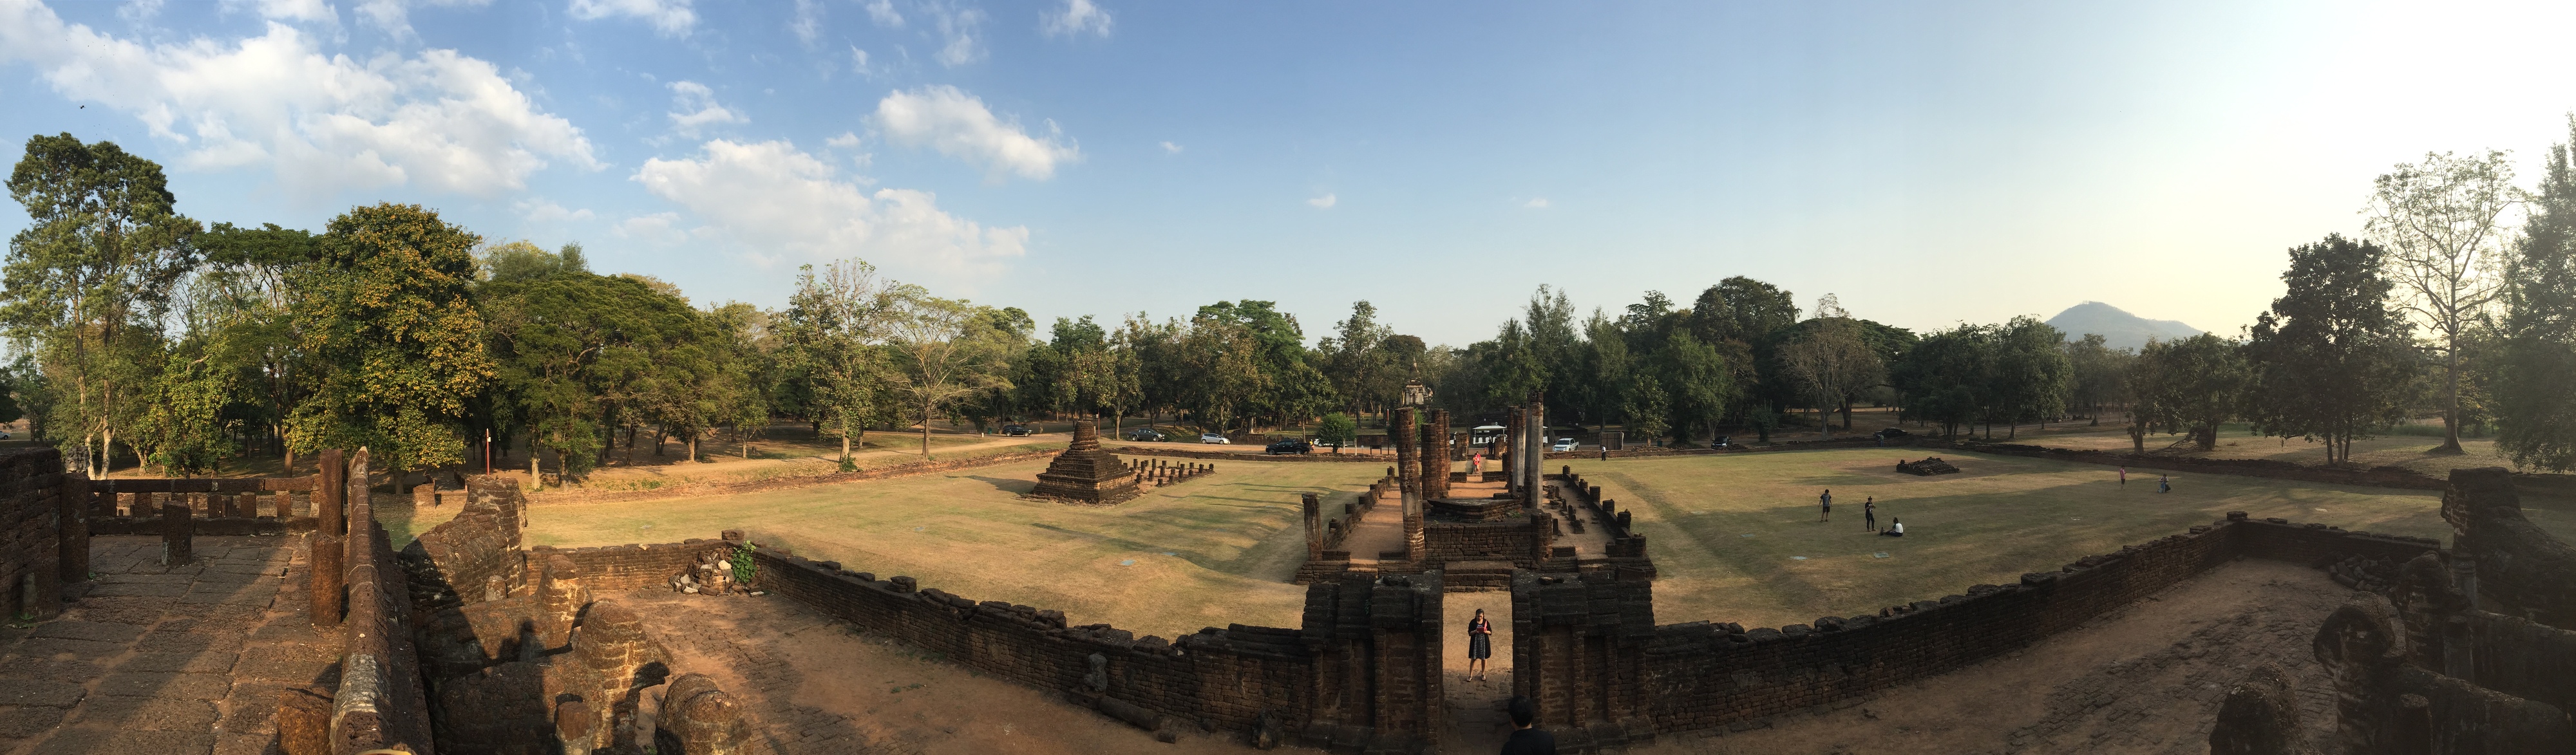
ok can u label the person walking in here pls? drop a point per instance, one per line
(1527, 738)
(2124, 475)
(1475, 463)
(2164, 484)
(1869, 514)
(1825, 506)
(1480, 645)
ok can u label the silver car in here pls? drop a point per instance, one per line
(1562, 444)
(1214, 438)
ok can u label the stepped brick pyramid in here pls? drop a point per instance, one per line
(1086, 474)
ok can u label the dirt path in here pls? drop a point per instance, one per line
(2146, 679)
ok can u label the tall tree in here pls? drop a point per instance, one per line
(2331, 359)
(1832, 361)
(2030, 374)
(246, 293)
(2534, 390)
(830, 334)
(1698, 384)
(390, 321)
(2099, 377)
(2189, 385)
(1947, 376)
(944, 349)
(89, 279)
(2442, 221)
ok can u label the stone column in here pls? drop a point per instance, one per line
(1408, 479)
(327, 584)
(1314, 527)
(178, 531)
(72, 558)
(1533, 451)
(703, 719)
(331, 493)
(1506, 450)
(1435, 456)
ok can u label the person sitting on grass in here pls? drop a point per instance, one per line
(1895, 528)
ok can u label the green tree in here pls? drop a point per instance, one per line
(1648, 408)
(944, 349)
(831, 335)
(1337, 430)
(1833, 362)
(2099, 377)
(2030, 374)
(1947, 376)
(396, 341)
(2190, 386)
(89, 280)
(2534, 391)
(243, 301)
(1696, 381)
(2331, 360)
(2442, 223)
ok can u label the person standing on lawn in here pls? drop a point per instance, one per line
(1825, 506)
(1869, 514)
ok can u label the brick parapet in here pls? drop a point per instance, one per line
(1226, 676)
(31, 562)
(617, 568)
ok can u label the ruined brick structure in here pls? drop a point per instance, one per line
(2464, 651)
(1086, 474)
(35, 534)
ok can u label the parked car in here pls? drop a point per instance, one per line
(1146, 434)
(1015, 429)
(1214, 438)
(1721, 442)
(1562, 444)
(1289, 446)
(1893, 432)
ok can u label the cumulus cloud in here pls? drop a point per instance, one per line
(884, 14)
(779, 201)
(697, 109)
(858, 60)
(660, 228)
(1324, 202)
(1536, 203)
(958, 27)
(958, 125)
(847, 140)
(671, 18)
(292, 10)
(394, 16)
(436, 119)
(1171, 149)
(809, 21)
(1077, 17)
(546, 211)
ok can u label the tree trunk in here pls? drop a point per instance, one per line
(845, 439)
(693, 448)
(2451, 398)
(925, 430)
(536, 481)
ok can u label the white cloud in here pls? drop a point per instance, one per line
(1324, 202)
(883, 13)
(1078, 16)
(809, 21)
(546, 211)
(958, 125)
(138, 11)
(671, 18)
(661, 228)
(1171, 149)
(436, 119)
(779, 201)
(847, 140)
(697, 109)
(858, 60)
(293, 10)
(394, 16)
(1536, 203)
(959, 27)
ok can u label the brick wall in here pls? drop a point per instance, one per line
(1706, 675)
(1226, 675)
(611, 569)
(475, 556)
(30, 538)
(1519, 542)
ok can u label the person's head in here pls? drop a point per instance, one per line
(1524, 711)
(1480, 613)
(1894, 520)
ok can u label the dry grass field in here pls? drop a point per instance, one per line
(1736, 537)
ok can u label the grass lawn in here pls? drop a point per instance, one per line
(1997, 519)
(1206, 552)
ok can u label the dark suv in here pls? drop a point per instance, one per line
(1289, 446)
(1015, 429)
(1145, 434)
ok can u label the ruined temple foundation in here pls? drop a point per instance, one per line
(1086, 474)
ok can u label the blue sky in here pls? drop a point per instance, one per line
(1928, 163)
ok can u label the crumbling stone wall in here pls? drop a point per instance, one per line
(2524, 570)
(381, 701)
(31, 563)
(474, 557)
(1580, 647)
(1524, 543)
(618, 568)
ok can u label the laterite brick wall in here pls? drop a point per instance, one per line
(30, 540)
(618, 568)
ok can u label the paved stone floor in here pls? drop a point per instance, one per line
(185, 659)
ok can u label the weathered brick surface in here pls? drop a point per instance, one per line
(30, 541)
(617, 568)
(460, 559)
(1523, 542)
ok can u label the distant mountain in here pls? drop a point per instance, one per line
(2119, 329)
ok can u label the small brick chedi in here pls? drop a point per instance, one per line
(1086, 474)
